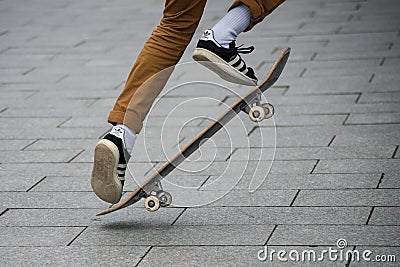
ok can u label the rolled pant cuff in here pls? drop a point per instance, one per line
(119, 117)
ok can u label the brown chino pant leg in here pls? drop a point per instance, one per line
(162, 51)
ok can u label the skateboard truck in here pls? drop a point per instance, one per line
(258, 111)
(157, 199)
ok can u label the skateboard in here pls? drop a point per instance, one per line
(151, 189)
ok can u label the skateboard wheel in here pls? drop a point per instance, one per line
(269, 110)
(165, 198)
(152, 203)
(257, 113)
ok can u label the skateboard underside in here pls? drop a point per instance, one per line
(250, 103)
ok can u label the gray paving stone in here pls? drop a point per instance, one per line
(63, 184)
(12, 145)
(385, 216)
(390, 180)
(67, 256)
(143, 234)
(316, 69)
(53, 133)
(273, 215)
(329, 234)
(372, 137)
(10, 171)
(360, 197)
(259, 198)
(291, 137)
(19, 184)
(358, 166)
(56, 156)
(37, 236)
(300, 181)
(377, 118)
(318, 152)
(329, 86)
(85, 217)
(386, 97)
(338, 109)
(47, 217)
(66, 200)
(303, 120)
(55, 144)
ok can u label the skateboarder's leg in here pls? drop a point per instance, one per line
(162, 50)
(217, 45)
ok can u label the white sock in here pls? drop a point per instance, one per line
(127, 135)
(231, 25)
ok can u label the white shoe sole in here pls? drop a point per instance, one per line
(220, 67)
(104, 180)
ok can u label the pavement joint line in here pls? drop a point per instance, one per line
(80, 233)
(285, 89)
(350, 258)
(313, 56)
(232, 152)
(28, 71)
(370, 215)
(62, 78)
(259, 66)
(270, 235)
(294, 198)
(35, 184)
(4, 211)
(145, 254)
(204, 182)
(315, 166)
(395, 151)
(358, 98)
(75, 156)
(33, 93)
(345, 119)
(382, 61)
(380, 181)
(179, 215)
(371, 78)
(302, 72)
(30, 144)
(330, 142)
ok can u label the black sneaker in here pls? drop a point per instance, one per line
(226, 62)
(108, 174)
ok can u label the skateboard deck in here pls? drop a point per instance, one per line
(152, 183)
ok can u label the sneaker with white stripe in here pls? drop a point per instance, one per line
(110, 162)
(226, 62)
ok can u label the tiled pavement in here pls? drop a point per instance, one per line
(335, 173)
